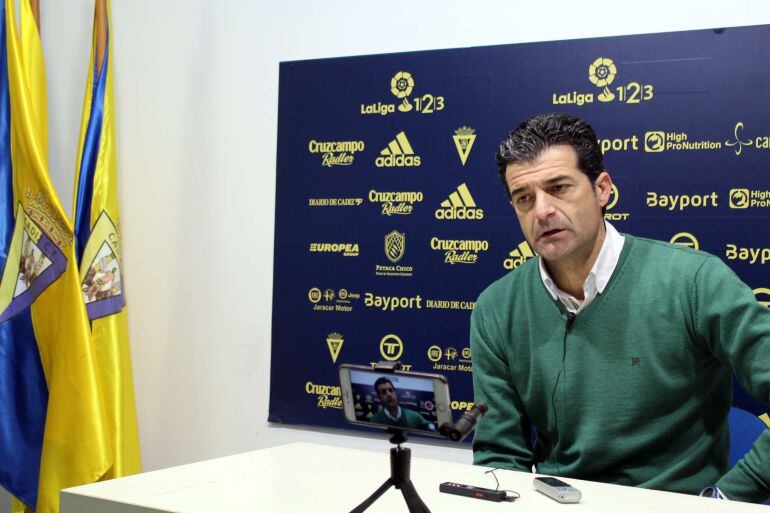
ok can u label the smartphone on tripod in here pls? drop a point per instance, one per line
(410, 401)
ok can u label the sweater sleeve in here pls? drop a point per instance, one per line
(737, 330)
(502, 438)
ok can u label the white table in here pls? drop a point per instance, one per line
(314, 478)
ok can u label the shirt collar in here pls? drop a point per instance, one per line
(391, 417)
(602, 270)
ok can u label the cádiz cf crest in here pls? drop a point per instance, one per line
(395, 244)
(101, 279)
(464, 138)
(34, 262)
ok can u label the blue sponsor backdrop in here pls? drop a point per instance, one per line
(390, 218)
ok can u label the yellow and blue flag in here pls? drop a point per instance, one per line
(53, 432)
(97, 243)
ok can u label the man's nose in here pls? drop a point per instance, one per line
(544, 206)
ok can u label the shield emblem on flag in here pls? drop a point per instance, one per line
(395, 243)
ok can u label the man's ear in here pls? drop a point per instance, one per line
(603, 188)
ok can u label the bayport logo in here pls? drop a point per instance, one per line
(398, 153)
(460, 205)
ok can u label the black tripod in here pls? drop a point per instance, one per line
(400, 460)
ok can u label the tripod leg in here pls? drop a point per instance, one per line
(373, 497)
(412, 498)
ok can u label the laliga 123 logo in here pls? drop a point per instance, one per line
(602, 73)
(401, 86)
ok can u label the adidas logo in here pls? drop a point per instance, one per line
(518, 256)
(459, 205)
(399, 153)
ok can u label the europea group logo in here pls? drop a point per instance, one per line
(398, 153)
(459, 205)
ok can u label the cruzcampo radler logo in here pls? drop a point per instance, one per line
(464, 138)
(334, 342)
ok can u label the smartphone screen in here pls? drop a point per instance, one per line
(552, 481)
(413, 403)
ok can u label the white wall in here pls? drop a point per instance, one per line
(197, 86)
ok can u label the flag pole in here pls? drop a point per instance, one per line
(100, 19)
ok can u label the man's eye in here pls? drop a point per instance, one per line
(523, 199)
(556, 189)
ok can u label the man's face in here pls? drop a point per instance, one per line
(387, 395)
(560, 212)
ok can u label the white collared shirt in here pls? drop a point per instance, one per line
(391, 417)
(597, 279)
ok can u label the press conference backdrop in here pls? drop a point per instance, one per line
(390, 218)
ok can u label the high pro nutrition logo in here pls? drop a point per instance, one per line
(749, 198)
(459, 205)
(398, 153)
(335, 153)
(602, 74)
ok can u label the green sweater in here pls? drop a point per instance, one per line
(646, 384)
(409, 419)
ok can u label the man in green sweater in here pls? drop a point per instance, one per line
(619, 351)
(392, 414)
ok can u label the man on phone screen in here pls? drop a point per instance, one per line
(392, 414)
(611, 357)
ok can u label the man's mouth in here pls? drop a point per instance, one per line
(550, 233)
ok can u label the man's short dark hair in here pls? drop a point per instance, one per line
(538, 133)
(379, 382)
